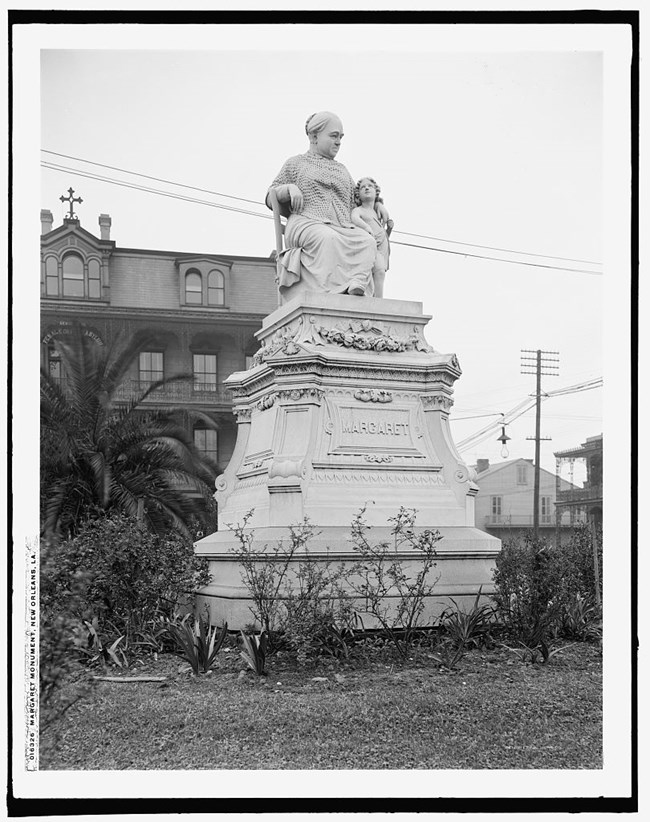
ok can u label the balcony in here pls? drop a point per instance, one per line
(526, 520)
(177, 393)
(581, 496)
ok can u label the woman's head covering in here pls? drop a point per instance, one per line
(317, 122)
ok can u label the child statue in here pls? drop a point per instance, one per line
(371, 215)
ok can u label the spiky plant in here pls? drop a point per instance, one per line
(101, 454)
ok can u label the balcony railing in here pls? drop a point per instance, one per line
(176, 393)
(592, 493)
(526, 520)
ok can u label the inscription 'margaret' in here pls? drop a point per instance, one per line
(395, 429)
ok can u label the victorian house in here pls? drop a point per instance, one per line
(505, 500)
(203, 308)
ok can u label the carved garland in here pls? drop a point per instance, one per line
(361, 335)
(266, 402)
(364, 336)
(373, 395)
(301, 394)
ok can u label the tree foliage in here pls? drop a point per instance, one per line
(101, 454)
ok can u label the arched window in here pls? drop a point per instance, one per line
(216, 288)
(73, 276)
(193, 287)
(94, 279)
(51, 277)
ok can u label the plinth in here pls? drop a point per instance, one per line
(346, 406)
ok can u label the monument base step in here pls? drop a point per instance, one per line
(464, 563)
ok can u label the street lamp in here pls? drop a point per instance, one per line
(503, 439)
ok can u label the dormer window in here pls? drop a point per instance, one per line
(193, 287)
(204, 282)
(216, 288)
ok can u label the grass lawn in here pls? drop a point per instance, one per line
(492, 711)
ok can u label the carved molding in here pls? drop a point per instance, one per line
(437, 402)
(243, 414)
(252, 481)
(366, 371)
(373, 395)
(378, 477)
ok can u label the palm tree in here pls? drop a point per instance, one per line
(98, 454)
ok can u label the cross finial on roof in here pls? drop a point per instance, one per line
(70, 199)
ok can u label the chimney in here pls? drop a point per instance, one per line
(105, 226)
(47, 221)
(482, 465)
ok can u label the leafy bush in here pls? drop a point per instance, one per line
(577, 558)
(120, 579)
(299, 604)
(264, 572)
(527, 580)
(310, 606)
(380, 580)
(316, 610)
(197, 641)
(543, 591)
(61, 681)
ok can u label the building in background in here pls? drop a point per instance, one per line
(203, 308)
(586, 502)
(505, 500)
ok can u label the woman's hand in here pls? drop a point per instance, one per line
(294, 195)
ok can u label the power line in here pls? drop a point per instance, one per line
(477, 416)
(499, 259)
(495, 248)
(59, 167)
(519, 410)
(149, 177)
(148, 190)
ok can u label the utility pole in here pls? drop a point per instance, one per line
(541, 361)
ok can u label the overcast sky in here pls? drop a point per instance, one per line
(489, 147)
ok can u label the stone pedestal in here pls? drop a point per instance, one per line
(346, 405)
